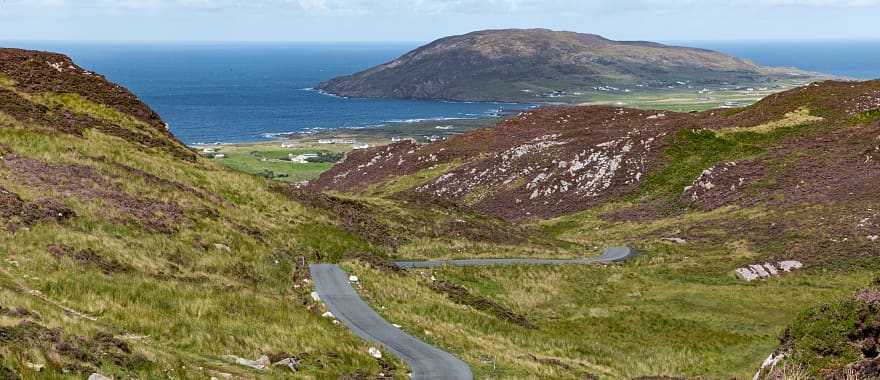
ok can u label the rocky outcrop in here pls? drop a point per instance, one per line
(558, 160)
(767, 270)
(538, 164)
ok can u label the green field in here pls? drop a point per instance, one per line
(271, 161)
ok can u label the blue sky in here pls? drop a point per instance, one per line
(423, 20)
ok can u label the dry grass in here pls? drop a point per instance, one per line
(192, 301)
(801, 116)
(613, 322)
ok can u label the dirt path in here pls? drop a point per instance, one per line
(426, 361)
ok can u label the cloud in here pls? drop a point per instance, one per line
(430, 7)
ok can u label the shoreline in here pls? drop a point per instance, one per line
(300, 157)
(683, 99)
(420, 130)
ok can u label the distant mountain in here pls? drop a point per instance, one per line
(518, 65)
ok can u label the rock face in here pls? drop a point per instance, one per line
(519, 65)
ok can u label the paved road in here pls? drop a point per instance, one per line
(426, 361)
(610, 255)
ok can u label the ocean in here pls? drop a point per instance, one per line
(852, 59)
(242, 92)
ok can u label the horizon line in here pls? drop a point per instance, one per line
(221, 42)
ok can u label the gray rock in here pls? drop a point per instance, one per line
(767, 270)
(289, 363)
(35, 367)
(759, 270)
(260, 364)
(98, 376)
(746, 274)
(675, 240)
(788, 265)
(223, 247)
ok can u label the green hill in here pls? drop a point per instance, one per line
(543, 65)
(123, 252)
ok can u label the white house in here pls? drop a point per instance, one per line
(302, 158)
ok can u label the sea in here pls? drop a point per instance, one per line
(247, 92)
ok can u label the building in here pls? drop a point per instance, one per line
(302, 158)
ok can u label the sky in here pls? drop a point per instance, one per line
(425, 20)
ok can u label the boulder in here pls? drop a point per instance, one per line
(674, 240)
(766, 270)
(315, 297)
(759, 270)
(353, 278)
(374, 352)
(290, 363)
(223, 247)
(328, 314)
(746, 274)
(35, 367)
(788, 265)
(260, 364)
(98, 376)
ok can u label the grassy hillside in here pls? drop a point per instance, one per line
(789, 178)
(125, 253)
(139, 259)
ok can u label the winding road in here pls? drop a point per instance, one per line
(426, 361)
(611, 255)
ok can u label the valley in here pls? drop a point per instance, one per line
(126, 253)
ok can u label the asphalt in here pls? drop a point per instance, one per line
(611, 255)
(426, 361)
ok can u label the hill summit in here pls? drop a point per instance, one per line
(520, 65)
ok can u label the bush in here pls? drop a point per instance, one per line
(326, 157)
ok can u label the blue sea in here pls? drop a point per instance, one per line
(240, 92)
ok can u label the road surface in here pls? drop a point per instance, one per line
(426, 361)
(610, 255)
